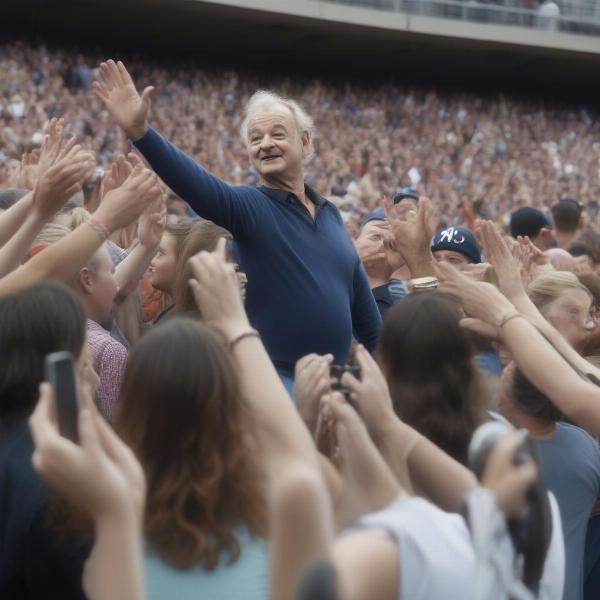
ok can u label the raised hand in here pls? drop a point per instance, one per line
(479, 299)
(499, 255)
(412, 236)
(370, 393)
(366, 475)
(61, 180)
(101, 475)
(152, 223)
(217, 291)
(122, 100)
(119, 170)
(124, 205)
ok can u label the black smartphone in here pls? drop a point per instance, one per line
(60, 373)
(336, 372)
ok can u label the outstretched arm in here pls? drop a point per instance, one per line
(62, 260)
(210, 197)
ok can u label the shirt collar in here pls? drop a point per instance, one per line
(286, 196)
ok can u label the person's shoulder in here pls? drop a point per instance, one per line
(576, 434)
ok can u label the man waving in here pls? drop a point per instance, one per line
(307, 290)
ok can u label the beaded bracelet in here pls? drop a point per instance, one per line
(100, 228)
(235, 341)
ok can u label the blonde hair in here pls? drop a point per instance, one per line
(550, 286)
(52, 232)
(265, 100)
(79, 216)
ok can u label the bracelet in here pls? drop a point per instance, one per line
(235, 341)
(508, 318)
(424, 283)
(100, 228)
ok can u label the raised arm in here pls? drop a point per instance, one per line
(418, 464)
(210, 197)
(536, 358)
(62, 260)
(283, 438)
(53, 189)
(510, 283)
(150, 227)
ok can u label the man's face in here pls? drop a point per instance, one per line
(275, 147)
(162, 267)
(103, 287)
(458, 259)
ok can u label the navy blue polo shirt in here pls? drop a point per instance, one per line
(307, 289)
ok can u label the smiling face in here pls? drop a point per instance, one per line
(570, 314)
(162, 267)
(275, 147)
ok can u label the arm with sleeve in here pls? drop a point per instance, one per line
(226, 205)
(366, 320)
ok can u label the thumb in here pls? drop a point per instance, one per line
(147, 95)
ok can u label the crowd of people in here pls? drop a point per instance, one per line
(496, 153)
(351, 365)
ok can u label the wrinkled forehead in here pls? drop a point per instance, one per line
(266, 118)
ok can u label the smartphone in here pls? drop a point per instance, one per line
(60, 373)
(336, 372)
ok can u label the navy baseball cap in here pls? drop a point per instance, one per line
(457, 239)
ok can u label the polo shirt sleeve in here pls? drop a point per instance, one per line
(210, 197)
(366, 320)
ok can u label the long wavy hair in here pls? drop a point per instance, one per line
(428, 361)
(183, 414)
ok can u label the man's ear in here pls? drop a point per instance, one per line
(85, 281)
(305, 144)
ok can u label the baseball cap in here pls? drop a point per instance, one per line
(405, 192)
(457, 239)
(527, 221)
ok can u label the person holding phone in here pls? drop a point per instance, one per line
(34, 562)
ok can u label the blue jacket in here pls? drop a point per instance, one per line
(307, 289)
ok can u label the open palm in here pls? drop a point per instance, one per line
(118, 93)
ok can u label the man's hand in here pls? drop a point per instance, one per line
(118, 93)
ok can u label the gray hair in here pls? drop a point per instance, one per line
(265, 100)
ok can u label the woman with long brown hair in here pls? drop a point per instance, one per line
(428, 363)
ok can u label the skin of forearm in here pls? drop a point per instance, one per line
(13, 218)
(114, 571)
(131, 269)
(527, 308)
(14, 251)
(424, 469)
(283, 434)
(61, 261)
(548, 371)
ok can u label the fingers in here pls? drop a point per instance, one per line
(147, 95)
(101, 91)
(88, 435)
(220, 250)
(41, 421)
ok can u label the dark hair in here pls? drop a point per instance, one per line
(47, 317)
(588, 243)
(11, 196)
(533, 402)
(204, 235)
(182, 412)
(428, 361)
(566, 214)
